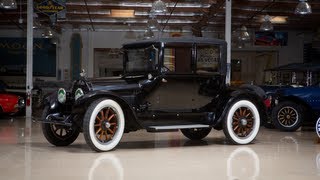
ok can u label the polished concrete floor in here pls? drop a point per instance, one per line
(26, 155)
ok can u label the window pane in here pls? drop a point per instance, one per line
(169, 59)
(208, 58)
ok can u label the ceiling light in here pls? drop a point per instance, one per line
(8, 4)
(122, 13)
(148, 34)
(303, 8)
(244, 35)
(266, 24)
(153, 23)
(158, 7)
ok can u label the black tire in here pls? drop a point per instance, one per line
(242, 122)
(103, 125)
(58, 135)
(196, 133)
(287, 116)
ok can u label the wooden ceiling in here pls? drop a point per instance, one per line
(182, 15)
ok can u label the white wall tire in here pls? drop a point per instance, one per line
(103, 125)
(242, 123)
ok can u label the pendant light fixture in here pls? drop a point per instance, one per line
(158, 7)
(244, 35)
(153, 23)
(8, 4)
(148, 34)
(266, 24)
(303, 8)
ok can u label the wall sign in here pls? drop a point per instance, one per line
(13, 57)
(50, 7)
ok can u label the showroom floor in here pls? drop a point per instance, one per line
(25, 154)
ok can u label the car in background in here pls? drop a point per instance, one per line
(295, 107)
(10, 103)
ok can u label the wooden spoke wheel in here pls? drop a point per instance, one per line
(58, 135)
(103, 124)
(287, 116)
(106, 124)
(242, 122)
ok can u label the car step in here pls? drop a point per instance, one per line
(175, 127)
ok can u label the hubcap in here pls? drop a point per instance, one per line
(242, 121)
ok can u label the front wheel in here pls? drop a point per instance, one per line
(287, 116)
(58, 135)
(103, 125)
(242, 123)
(196, 133)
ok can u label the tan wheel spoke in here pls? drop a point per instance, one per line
(107, 113)
(235, 128)
(235, 117)
(97, 125)
(248, 114)
(99, 130)
(110, 131)
(98, 118)
(244, 112)
(112, 124)
(102, 114)
(237, 114)
(101, 135)
(113, 115)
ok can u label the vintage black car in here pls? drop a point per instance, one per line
(167, 84)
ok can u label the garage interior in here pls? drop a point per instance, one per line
(88, 34)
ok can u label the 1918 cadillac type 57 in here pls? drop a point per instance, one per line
(167, 84)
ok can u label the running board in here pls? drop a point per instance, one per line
(175, 127)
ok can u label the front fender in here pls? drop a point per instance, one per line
(233, 96)
(83, 102)
(51, 100)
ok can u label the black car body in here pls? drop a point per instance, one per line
(167, 84)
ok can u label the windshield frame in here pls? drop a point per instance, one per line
(155, 65)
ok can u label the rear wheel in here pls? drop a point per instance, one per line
(287, 116)
(196, 133)
(242, 123)
(103, 125)
(58, 135)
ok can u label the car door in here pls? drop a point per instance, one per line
(176, 89)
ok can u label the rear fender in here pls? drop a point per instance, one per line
(230, 98)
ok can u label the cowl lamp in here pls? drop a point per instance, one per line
(266, 24)
(303, 8)
(8, 4)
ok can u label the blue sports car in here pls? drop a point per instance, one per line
(296, 106)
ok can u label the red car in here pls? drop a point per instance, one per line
(10, 103)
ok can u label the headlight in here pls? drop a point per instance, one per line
(21, 102)
(78, 93)
(62, 95)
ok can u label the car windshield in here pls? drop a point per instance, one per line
(142, 59)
